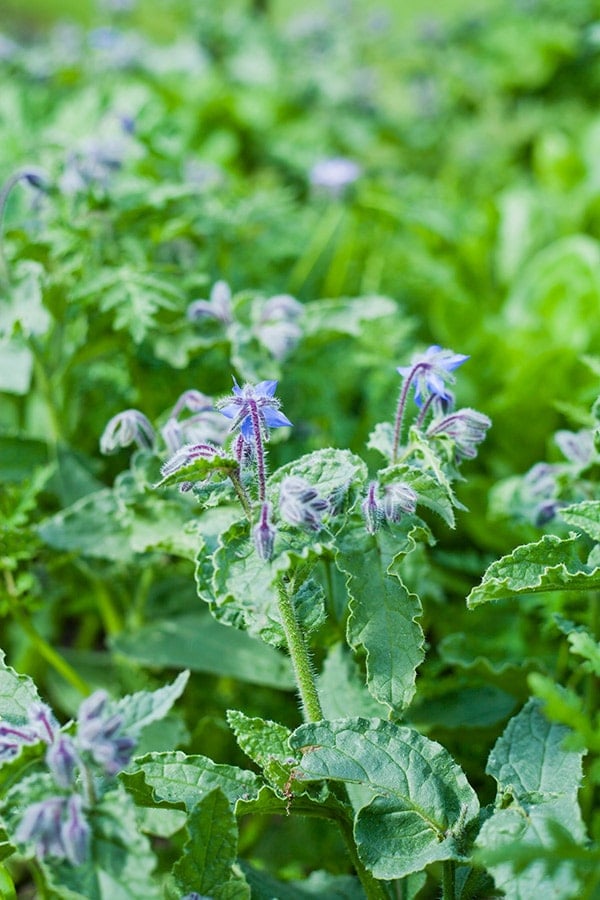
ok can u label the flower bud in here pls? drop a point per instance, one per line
(264, 534)
(300, 504)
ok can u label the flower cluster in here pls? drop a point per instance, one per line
(397, 499)
(57, 826)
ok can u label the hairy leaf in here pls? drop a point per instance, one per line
(417, 799)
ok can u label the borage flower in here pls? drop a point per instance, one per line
(254, 409)
(430, 372)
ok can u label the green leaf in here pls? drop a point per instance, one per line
(17, 694)
(201, 644)
(551, 564)
(91, 527)
(332, 472)
(529, 758)
(209, 853)
(383, 612)
(341, 687)
(177, 779)
(19, 456)
(144, 707)
(538, 780)
(244, 587)
(121, 863)
(259, 739)
(200, 469)
(584, 516)
(318, 884)
(266, 743)
(417, 800)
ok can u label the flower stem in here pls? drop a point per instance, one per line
(400, 410)
(260, 450)
(241, 493)
(299, 654)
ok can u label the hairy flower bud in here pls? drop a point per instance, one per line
(264, 534)
(127, 427)
(218, 306)
(300, 504)
(56, 827)
(63, 760)
(466, 427)
(99, 733)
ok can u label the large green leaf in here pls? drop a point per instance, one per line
(551, 564)
(538, 780)
(417, 801)
(201, 644)
(383, 612)
(91, 527)
(208, 856)
(175, 778)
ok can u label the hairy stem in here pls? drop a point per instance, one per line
(400, 410)
(299, 654)
(241, 494)
(259, 449)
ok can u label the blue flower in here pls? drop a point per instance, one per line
(252, 408)
(431, 371)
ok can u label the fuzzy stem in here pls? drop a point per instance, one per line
(241, 493)
(260, 450)
(400, 410)
(299, 654)
(424, 410)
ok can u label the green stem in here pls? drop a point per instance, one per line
(298, 650)
(449, 880)
(58, 663)
(241, 493)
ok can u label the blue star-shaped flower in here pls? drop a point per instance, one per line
(431, 371)
(253, 402)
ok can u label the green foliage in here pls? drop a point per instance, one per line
(174, 233)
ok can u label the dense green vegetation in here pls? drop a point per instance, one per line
(194, 194)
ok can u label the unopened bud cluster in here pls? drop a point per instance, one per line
(58, 826)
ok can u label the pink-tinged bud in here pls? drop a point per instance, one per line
(264, 534)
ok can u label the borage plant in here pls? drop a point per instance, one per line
(314, 558)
